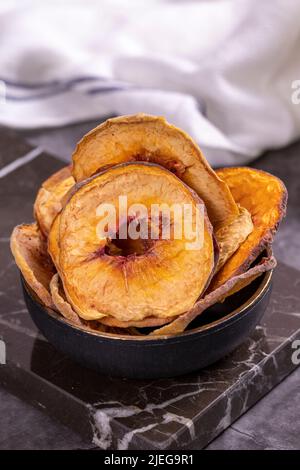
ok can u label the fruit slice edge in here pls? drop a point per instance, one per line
(232, 285)
(148, 138)
(265, 197)
(150, 181)
(48, 202)
(30, 253)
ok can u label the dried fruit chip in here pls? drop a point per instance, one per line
(146, 323)
(63, 307)
(98, 327)
(61, 303)
(131, 280)
(53, 242)
(230, 237)
(265, 197)
(149, 138)
(232, 285)
(30, 252)
(48, 202)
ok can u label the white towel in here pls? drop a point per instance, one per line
(223, 70)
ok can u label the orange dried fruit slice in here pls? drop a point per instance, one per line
(231, 286)
(60, 302)
(230, 237)
(131, 280)
(146, 323)
(30, 253)
(265, 197)
(147, 138)
(48, 202)
(64, 308)
(53, 242)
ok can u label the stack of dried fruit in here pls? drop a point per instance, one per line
(111, 284)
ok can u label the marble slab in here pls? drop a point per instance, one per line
(12, 146)
(185, 412)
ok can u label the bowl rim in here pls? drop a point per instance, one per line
(216, 325)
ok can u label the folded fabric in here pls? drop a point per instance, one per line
(223, 70)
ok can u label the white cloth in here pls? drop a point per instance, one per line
(220, 69)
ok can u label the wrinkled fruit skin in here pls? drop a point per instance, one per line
(231, 236)
(151, 139)
(30, 253)
(49, 199)
(99, 283)
(265, 197)
(113, 287)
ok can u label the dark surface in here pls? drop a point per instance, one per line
(12, 146)
(272, 423)
(183, 412)
(154, 358)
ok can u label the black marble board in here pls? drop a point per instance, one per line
(119, 413)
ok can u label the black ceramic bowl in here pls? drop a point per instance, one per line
(215, 333)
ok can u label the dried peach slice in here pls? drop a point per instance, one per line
(265, 197)
(230, 237)
(30, 253)
(60, 302)
(131, 280)
(147, 138)
(53, 242)
(48, 202)
(146, 323)
(232, 285)
(65, 309)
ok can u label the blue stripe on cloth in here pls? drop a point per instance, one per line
(51, 84)
(52, 93)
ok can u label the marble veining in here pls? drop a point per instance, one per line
(186, 412)
(238, 395)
